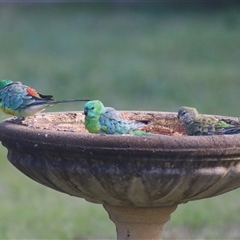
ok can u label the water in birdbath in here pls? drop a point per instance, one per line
(74, 122)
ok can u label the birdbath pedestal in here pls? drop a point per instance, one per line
(139, 180)
(139, 222)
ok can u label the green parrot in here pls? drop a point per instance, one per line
(106, 120)
(197, 124)
(22, 101)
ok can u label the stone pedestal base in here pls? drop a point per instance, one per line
(139, 222)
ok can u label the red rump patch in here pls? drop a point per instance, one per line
(32, 92)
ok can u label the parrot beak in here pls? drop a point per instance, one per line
(85, 112)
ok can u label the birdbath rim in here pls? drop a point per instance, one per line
(217, 145)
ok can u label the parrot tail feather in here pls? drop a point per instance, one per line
(53, 102)
(71, 100)
(46, 97)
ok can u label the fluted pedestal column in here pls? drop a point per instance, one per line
(139, 222)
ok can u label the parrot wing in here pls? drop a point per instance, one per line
(16, 96)
(114, 122)
(210, 126)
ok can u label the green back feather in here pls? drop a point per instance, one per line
(4, 83)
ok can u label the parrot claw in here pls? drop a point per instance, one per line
(17, 120)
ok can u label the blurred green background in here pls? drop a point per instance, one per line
(131, 57)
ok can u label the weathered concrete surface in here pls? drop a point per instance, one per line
(123, 170)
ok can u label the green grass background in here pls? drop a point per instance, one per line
(131, 57)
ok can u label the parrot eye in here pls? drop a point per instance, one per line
(92, 108)
(183, 113)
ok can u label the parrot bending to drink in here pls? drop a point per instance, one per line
(22, 101)
(106, 120)
(197, 124)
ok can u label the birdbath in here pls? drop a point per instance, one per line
(138, 180)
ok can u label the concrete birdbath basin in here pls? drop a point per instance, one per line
(139, 180)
